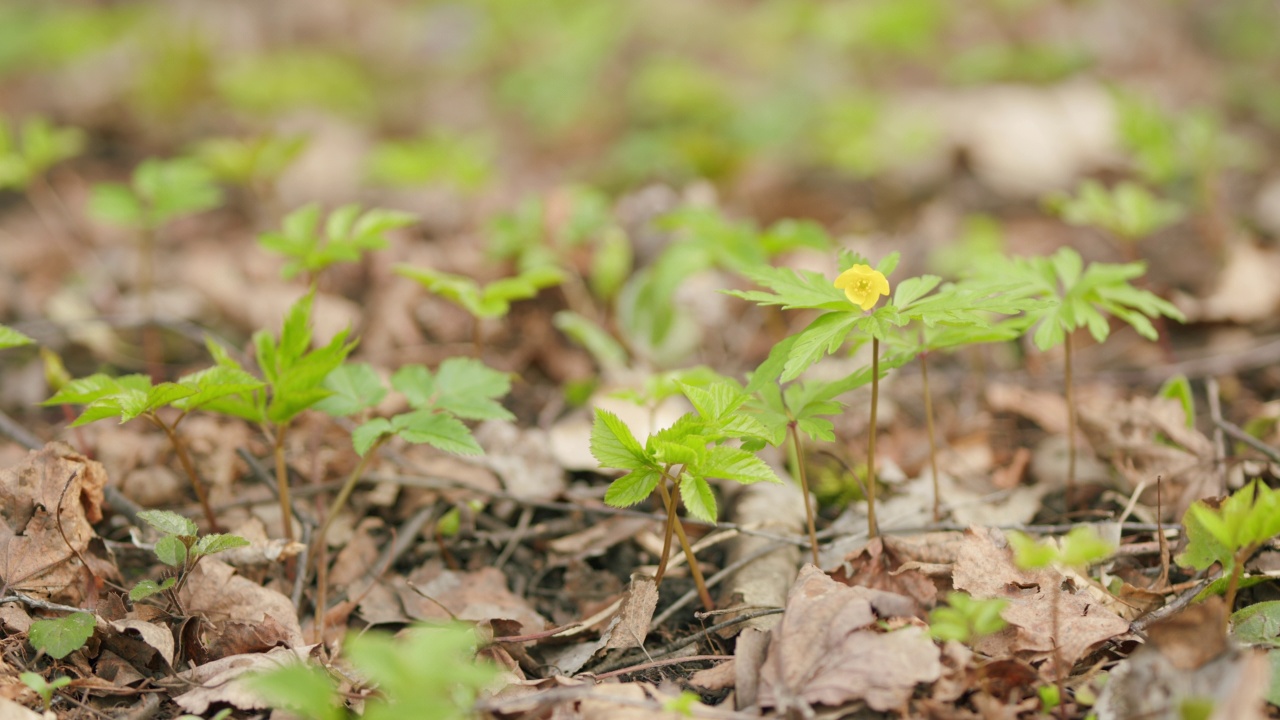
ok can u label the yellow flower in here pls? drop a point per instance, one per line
(863, 285)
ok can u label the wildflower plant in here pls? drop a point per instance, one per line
(348, 234)
(29, 153)
(181, 547)
(676, 463)
(1085, 297)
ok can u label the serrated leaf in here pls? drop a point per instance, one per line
(822, 337)
(467, 387)
(608, 353)
(912, 289)
(169, 523)
(816, 428)
(793, 289)
(632, 488)
(368, 434)
(215, 383)
(216, 543)
(1029, 554)
(83, 391)
(63, 636)
(439, 430)
(147, 588)
(731, 463)
(12, 338)
(698, 498)
(171, 551)
(417, 384)
(356, 387)
(715, 400)
(613, 445)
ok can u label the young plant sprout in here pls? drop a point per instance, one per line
(676, 463)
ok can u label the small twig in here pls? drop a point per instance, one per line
(661, 663)
(1163, 580)
(37, 603)
(1238, 433)
(1140, 625)
(15, 432)
(688, 640)
(522, 527)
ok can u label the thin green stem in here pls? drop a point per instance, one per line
(873, 528)
(345, 493)
(282, 482)
(1069, 392)
(672, 499)
(804, 488)
(668, 531)
(933, 443)
(184, 459)
(1233, 583)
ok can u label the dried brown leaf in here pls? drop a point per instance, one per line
(823, 652)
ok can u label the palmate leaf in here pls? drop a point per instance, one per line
(368, 434)
(822, 337)
(792, 289)
(467, 387)
(632, 488)
(735, 464)
(614, 446)
(715, 400)
(215, 383)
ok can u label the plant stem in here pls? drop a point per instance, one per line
(184, 459)
(282, 482)
(343, 495)
(933, 443)
(1071, 424)
(667, 532)
(804, 488)
(1233, 583)
(672, 498)
(873, 528)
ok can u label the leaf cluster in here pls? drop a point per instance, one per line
(1081, 547)
(428, 672)
(1127, 211)
(180, 546)
(43, 688)
(1243, 522)
(488, 301)
(1085, 296)
(346, 236)
(460, 389)
(966, 618)
(32, 150)
(691, 451)
(130, 396)
(159, 191)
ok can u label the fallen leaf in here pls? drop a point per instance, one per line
(222, 681)
(878, 567)
(481, 595)
(824, 652)
(985, 570)
(216, 592)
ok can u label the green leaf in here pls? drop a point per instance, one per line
(1258, 624)
(63, 636)
(1083, 546)
(169, 523)
(116, 204)
(822, 337)
(171, 551)
(632, 488)
(216, 543)
(172, 188)
(438, 430)
(147, 588)
(608, 353)
(417, 384)
(356, 387)
(614, 446)
(368, 434)
(12, 338)
(213, 384)
(698, 497)
(1178, 388)
(466, 388)
(912, 289)
(1029, 554)
(715, 400)
(735, 464)
(430, 672)
(83, 391)
(793, 289)
(300, 688)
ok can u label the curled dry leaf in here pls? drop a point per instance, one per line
(34, 556)
(826, 652)
(216, 592)
(222, 681)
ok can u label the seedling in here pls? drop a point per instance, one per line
(1080, 548)
(348, 234)
(160, 191)
(1127, 211)
(429, 672)
(1230, 534)
(458, 161)
(676, 463)
(489, 301)
(181, 547)
(294, 377)
(133, 396)
(60, 637)
(255, 163)
(966, 619)
(1085, 298)
(42, 688)
(27, 155)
